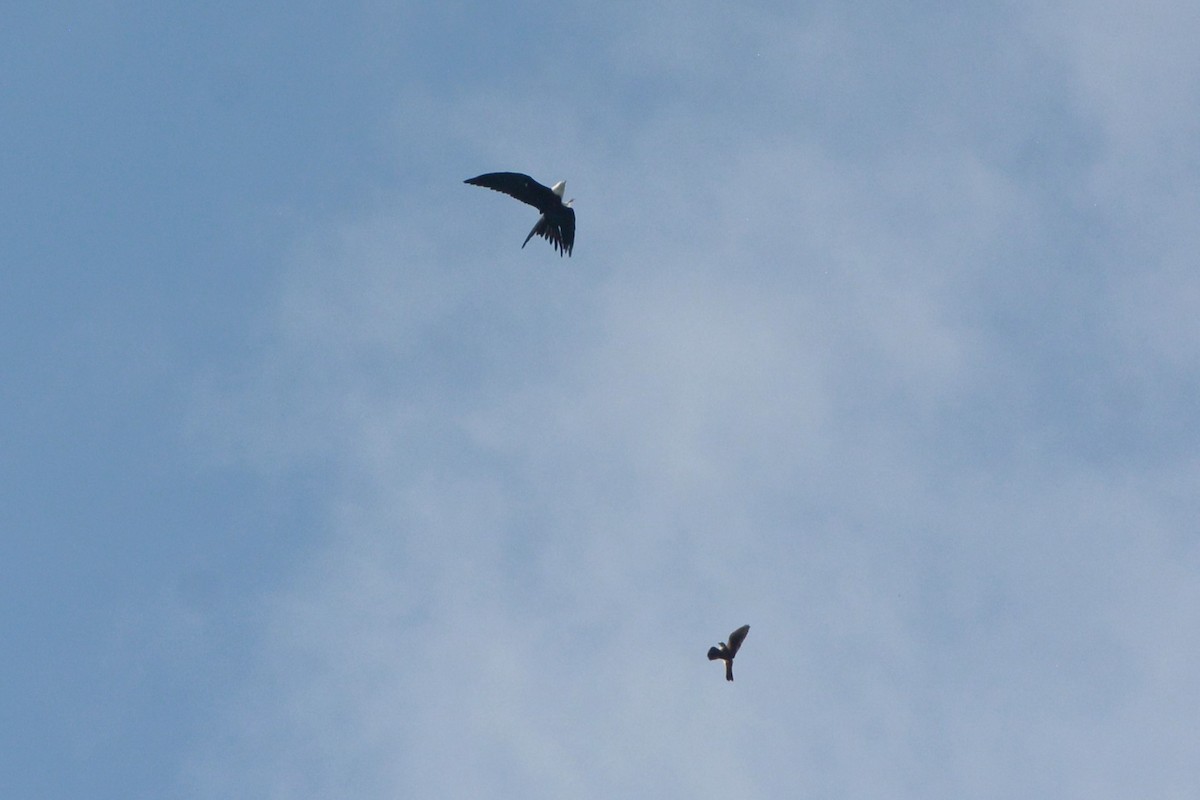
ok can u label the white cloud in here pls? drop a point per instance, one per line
(780, 390)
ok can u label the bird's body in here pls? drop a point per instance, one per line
(557, 223)
(726, 652)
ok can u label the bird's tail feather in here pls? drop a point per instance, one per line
(536, 229)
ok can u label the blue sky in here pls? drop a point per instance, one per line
(880, 335)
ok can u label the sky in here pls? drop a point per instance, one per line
(880, 335)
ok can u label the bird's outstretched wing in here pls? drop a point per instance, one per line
(714, 653)
(736, 638)
(522, 187)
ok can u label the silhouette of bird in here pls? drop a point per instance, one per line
(557, 223)
(726, 652)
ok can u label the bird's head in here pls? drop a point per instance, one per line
(559, 188)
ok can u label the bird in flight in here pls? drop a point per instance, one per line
(726, 652)
(557, 223)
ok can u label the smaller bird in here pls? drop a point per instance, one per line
(557, 223)
(726, 652)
